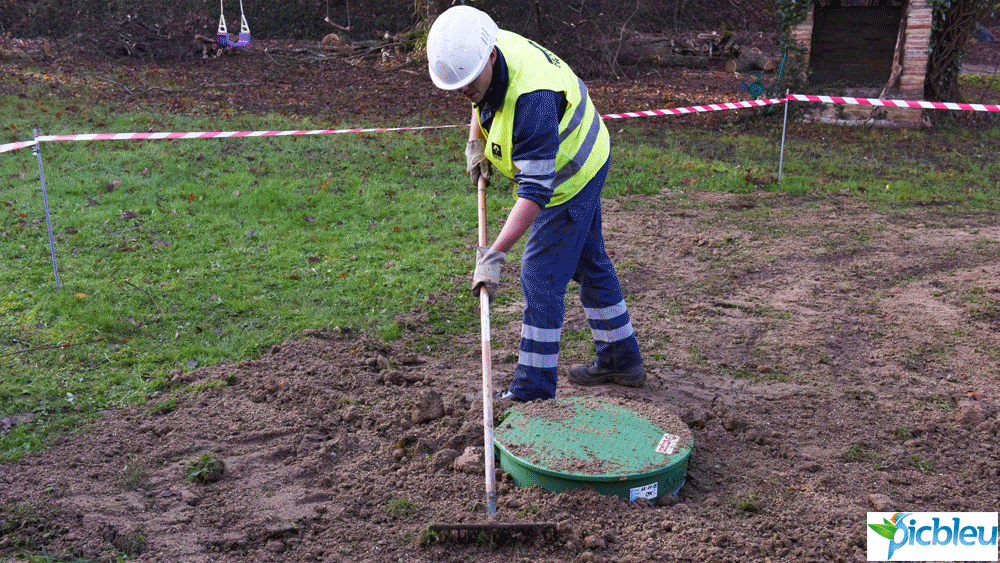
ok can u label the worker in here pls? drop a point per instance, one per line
(533, 119)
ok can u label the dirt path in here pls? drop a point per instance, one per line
(830, 360)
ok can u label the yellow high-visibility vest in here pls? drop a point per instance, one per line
(584, 146)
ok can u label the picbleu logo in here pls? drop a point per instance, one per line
(932, 536)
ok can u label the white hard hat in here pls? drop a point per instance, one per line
(459, 45)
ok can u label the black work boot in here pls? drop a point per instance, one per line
(595, 375)
(505, 397)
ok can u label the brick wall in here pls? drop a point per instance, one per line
(802, 35)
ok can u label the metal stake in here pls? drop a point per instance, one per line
(781, 158)
(48, 217)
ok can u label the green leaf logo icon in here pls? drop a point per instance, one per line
(887, 530)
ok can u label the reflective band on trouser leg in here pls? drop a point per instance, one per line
(614, 338)
(605, 313)
(610, 324)
(537, 363)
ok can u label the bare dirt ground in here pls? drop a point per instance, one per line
(829, 358)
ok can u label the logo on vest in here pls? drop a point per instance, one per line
(497, 151)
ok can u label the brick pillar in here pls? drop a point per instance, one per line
(916, 48)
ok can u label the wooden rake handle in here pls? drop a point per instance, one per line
(484, 324)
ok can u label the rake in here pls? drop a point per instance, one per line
(491, 530)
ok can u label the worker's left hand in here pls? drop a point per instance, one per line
(475, 162)
(488, 264)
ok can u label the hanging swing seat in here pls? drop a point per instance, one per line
(222, 37)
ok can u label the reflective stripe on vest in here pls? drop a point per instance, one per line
(584, 143)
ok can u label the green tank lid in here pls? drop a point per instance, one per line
(615, 446)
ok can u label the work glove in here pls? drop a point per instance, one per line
(476, 164)
(488, 263)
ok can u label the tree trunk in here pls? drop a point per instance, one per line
(750, 60)
(949, 42)
(693, 52)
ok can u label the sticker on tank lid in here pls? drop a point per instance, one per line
(668, 444)
(646, 491)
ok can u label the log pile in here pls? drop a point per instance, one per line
(388, 48)
(208, 47)
(750, 60)
(134, 38)
(693, 50)
(689, 50)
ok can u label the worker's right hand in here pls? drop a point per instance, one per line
(487, 274)
(476, 164)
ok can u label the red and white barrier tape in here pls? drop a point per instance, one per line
(647, 113)
(15, 146)
(695, 109)
(206, 135)
(893, 103)
(224, 134)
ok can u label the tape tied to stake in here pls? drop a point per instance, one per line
(15, 146)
